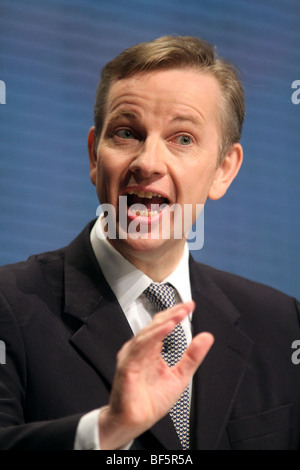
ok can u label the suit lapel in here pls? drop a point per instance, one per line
(217, 380)
(101, 337)
(103, 326)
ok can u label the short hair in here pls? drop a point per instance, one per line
(173, 52)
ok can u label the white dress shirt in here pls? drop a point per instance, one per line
(128, 284)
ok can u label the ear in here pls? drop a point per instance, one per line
(92, 154)
(226, 172)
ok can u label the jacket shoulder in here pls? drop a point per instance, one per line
(252, 299)
(30, 271)
(239, 285)
(44, 266)
(32, 286)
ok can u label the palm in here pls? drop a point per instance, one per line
(152, 387)
(145, 387)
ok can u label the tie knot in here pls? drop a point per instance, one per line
(161, 295)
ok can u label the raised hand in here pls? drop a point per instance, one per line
(145, 387)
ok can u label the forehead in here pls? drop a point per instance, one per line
(168, 91)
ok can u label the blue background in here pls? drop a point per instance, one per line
(51, 55)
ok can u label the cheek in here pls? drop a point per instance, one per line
(194, 182)
(108, 173)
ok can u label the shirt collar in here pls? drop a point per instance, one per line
(126, 281)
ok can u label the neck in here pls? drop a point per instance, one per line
(157, 264)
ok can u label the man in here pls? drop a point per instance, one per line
(90, 365)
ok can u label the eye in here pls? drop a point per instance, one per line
(183, 140)
(125, 134)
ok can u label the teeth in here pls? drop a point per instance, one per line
(145, 213)
(144, 194)
(147, 195)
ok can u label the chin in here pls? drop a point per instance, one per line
(147, 248)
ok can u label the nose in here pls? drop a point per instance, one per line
(150, 160)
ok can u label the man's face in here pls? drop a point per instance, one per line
(160, 143)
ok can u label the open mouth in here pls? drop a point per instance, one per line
(145, 203)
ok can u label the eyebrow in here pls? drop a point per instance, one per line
(130, 115)
(188, 118)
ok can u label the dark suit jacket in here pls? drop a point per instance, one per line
(63, 326)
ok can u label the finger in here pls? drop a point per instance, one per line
(195, 354)
(164, 322)
(178, 312)
(173, 315)
(148, 342)
(144, 343)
